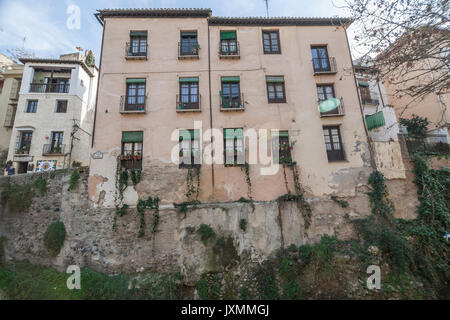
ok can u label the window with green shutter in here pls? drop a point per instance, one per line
(138, 44)
(275, 89)
(234, 149)
(190, 149)
(131, 157)
(228, 43)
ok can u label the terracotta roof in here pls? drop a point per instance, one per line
(59, 61)
(229, 21)
(278, 21)
(161, 12)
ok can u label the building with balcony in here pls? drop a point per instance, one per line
(287, 78)
(55, 114)
(10, 79)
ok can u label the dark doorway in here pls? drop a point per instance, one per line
(23, 167)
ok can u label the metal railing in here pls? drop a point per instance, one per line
(50, 149)
(231, 102)
(229, 49)
(49, 87)
(188, 50)
(339, 111)
(188, 102)
(24, 150)
(370, 101)
(140, 52)
(324, 65)
(133, 104)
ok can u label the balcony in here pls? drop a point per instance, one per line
(229, 50)
(188, 50)
(337, 112)
(232, 103)
(135, 53)
(49, 87)
(52, 150)
(324, 65)
(188, 103)
(133, 104)
(23, 151)
(373, 101)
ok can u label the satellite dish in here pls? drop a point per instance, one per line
(329, 105)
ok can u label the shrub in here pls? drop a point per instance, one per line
(206, 233)
(40, 184)
(74, 179)
(243, 225)
(19, 198)
(54, 238)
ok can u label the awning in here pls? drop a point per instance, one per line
(193, 79)
(227, 35)
(132, 136)
(276, 133)
(189, 33)
(230, 79)
(136, 80)
(191, 134)
(275, 79)
(233, 133)
(138, 33)
(375, 121)
(363, 83)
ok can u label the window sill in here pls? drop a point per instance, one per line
(332, 115)
(232, 109)
(318, 73)
(136, 58)
(277, 101)
(229, 56)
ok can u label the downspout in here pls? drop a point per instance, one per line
(371, 150)
(98, 80)
(210, 110)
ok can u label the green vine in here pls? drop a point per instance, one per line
(135, 176)
(246, 168)
(121, 185)
(342, 203)
(184, 206)
(149, 204)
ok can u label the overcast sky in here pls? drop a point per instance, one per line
(40, 26)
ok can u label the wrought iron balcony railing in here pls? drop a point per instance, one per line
(324, 65)
(133, 104)
(188, 50)
(188, 102)
(339, 111)
(50, 149)
(49, 87)
(133, 52)
(230, 103)
(229, 49)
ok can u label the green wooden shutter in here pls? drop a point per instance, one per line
(230, 79)
(280, 133)
(138, 33)
(132, 136)
(234, 133)
(189, 33)
(363, 83)
(227, 35)
(375, 121)
(191, 133)
(189, 79)
(136, 80)
(275, 79)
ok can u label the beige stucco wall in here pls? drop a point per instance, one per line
(299, 115)
(11, 82)
(437, 112)
(81, 102)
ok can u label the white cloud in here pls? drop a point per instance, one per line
(35, 24)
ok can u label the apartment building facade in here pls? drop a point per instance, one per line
(55, 113)
(168, 76)
(10, 80)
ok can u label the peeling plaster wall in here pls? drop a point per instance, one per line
(388, 159)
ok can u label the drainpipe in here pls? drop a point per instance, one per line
(98, 80)
(210, 109)
(371, 149)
